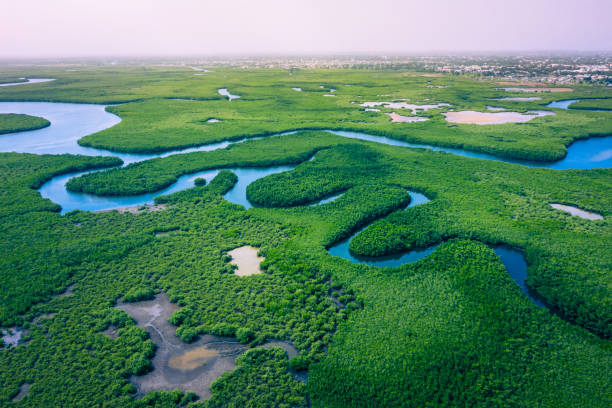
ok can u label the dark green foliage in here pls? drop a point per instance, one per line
(12, 122)
(199, 182)
(138, 293)
(166, 399)
(245, 335)
(456, 331)
(299, 363)
(261, 380)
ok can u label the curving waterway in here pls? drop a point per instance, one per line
(70, 122)
(565, 104)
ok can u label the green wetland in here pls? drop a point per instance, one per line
(391, 250)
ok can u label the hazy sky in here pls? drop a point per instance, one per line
(64, 28)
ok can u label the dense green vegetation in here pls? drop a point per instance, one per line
(456, 331)
(13, 122)
(592, 104)
(261, 380)
(451, 330)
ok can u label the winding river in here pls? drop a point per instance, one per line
(70, 122)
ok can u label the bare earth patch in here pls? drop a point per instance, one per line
(247, 260)
(577, 212)
(519, 83)
(24, 389)
(521, 99)
(68, 292)
(538, 90)
(111, 332)
(489, 118)
(137, 209)
(403, 105)
(165, 233)
(12, 336)
(396, 118)
(47, 316)
(178, 365)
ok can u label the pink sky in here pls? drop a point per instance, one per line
(64, 28)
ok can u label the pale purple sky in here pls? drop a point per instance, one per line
(66, 28)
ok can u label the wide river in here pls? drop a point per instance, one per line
(70, 122)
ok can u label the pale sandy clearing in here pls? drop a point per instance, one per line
(247, 260)
(488, 118)
(538, 90)
(520, 99)
(577, 212)
(12, 336)
(403, 105)
(519, 83)
(24, 389)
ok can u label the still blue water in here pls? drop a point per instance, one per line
(565, 104)
(514, 261)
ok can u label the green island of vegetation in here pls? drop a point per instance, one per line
(12, 122)
(453, 329)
